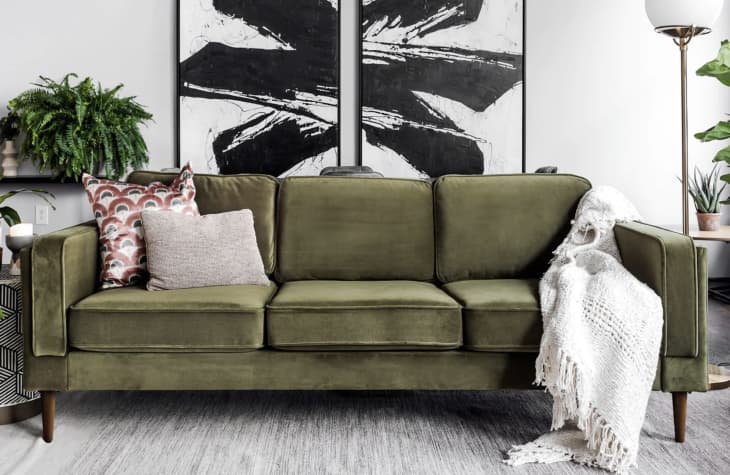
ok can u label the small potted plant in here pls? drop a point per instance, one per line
(706, 193)
(9, 130)
(78, 128)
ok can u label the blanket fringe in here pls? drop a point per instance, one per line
(608, 451)
(569, 404)
(535, 453)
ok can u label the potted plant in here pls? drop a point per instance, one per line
(9, 130)
(718, 68)
(12, 217)
(706, 193)
(81, 128)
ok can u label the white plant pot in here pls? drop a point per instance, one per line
(10, 159)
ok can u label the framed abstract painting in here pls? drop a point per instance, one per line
(258, 86)
(442, 87)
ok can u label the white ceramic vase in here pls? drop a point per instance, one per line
(10, 159)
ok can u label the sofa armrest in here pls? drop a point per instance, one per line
(64, 270)
(668, 263)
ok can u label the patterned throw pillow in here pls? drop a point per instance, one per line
(117, 207)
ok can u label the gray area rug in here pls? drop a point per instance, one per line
(342, 432)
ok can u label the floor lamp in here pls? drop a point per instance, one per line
(683, 20)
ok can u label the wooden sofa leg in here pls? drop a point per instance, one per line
(679, 403)
(48, 403)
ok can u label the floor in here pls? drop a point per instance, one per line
(719, 332)
(343, 432)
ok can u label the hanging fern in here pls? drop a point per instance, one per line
(78, 128)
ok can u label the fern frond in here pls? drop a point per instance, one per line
(71, 126)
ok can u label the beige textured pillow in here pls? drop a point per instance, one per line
(201, 251)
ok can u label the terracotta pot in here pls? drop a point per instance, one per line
(708, 221)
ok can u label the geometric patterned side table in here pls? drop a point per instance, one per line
(16, 404)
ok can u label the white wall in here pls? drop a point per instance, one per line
(603, 101)
(130, 42)
(602, 88)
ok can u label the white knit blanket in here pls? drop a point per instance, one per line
(602, 331)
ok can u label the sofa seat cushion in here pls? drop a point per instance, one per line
(229, 318)
(499, 314)
(363, 315)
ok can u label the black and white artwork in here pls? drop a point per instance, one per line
(258, 86)
(442, 87)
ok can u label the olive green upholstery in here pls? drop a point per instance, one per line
(272, 369)
(666, 262)
(499, 314)
(386, 283)
(66, 269)
(39, 372)
(227, 318)
(502, 226)
(690, 373)
(342, 315)
(355, 229)
(669, 263)
(218, 194)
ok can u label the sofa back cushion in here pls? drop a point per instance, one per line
(222, 193)
(355, 229)
(502, 226)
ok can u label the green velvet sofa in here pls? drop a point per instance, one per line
(375, 284)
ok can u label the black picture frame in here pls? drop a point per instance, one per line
(359, 76)
(178, 80)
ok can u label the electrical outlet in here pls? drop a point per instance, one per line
(41, 214)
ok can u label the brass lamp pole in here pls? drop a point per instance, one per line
(682, 35)
(682, 20)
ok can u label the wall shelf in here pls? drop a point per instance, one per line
(31, 179)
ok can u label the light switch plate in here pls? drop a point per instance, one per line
(41, 214)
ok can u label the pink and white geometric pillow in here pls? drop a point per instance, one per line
(117, 207)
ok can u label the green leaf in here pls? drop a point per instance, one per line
(723, 155)
(43, 194)
(80, 113)
(721, 131)
(9, 215)
(719, 67)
